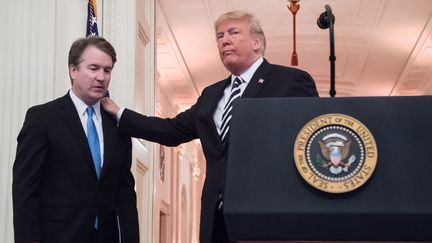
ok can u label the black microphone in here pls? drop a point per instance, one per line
(324, 21)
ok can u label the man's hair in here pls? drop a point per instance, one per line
(81, 44)
(254, 24)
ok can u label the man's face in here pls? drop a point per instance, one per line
(91, 78)
(238, 48)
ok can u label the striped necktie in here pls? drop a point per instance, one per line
(226, 115)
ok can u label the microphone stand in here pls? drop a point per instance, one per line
(332, 54)
(326, 20)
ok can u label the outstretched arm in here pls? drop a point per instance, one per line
(166, 131)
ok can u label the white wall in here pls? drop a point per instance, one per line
(30, 46)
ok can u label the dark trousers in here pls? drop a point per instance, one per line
(219, 234)
(98, 237)
(95, 237)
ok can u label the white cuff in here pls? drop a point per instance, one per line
(119, 114)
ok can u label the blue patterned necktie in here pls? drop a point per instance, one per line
(226, 115)
(93, 140)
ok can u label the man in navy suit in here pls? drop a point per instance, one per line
(59, 193)
(241, 43)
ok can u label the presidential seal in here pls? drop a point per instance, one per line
(335, 153)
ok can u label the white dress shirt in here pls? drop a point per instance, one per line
(246, 77)
(97, 119)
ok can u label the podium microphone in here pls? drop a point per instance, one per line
(324, 21)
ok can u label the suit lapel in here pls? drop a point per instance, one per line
(258, 81)
(109, 133)
(214, 97)
(71, 118)
(209, 105)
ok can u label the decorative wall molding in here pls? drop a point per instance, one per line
(174, 76)
(142, 34)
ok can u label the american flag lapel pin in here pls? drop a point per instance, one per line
(260, 81)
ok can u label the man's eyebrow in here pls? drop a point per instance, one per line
(99, 66)
(230, 29)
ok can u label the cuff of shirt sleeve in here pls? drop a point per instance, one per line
(119, 114)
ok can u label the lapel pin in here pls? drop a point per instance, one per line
(260, 81)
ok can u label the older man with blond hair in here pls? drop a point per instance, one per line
(241, 43)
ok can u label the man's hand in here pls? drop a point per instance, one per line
(109, 106)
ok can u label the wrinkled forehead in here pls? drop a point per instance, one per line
(94, 55)
(231, 23)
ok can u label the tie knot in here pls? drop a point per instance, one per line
(237, 82)
(90, 111)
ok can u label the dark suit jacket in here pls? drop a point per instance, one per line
(56, 193)
(197, 122)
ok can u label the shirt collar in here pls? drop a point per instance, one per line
(247, 75)
(81, 106)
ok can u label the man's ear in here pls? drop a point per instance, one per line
(72, 71)
(257, 43)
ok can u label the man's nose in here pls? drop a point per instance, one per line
(100, 75)
(225, 41)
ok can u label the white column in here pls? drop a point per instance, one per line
(129, 26)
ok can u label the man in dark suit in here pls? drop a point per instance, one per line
(241, 44)
(71, 177)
